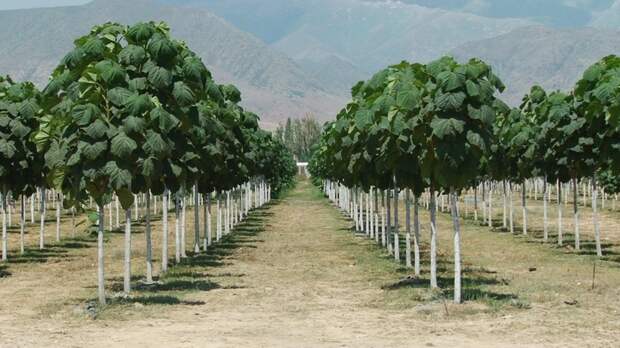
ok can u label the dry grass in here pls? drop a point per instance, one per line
(295, 274)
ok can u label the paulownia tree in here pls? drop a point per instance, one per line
(126, 97)
(598, 101)
(21, 165)
(455, 128)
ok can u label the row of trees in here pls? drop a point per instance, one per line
(440, 127)
(130, 110)
(299, 136)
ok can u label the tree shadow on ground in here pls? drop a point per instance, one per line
(192, 274)
(4, 272)
(56, 251)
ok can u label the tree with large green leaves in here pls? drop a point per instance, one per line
(454, 128)
(598, 101)
(566, 144)
(126, 97)
(21, 165)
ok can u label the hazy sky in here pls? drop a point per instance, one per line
(15, 4)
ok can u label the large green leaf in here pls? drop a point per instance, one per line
(122, 146)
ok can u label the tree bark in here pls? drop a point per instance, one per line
(545, 213)
(42, 221)
(396, 235)
(177, 228)
(196, 221)
(457, 247)
(100, 256)
(576, 216)
(416, 235)
(408, 229)
(149, 246)
(4, 230)
(127, 274)
(58, 212)
(597, 230)
(560, 237)
(524, 207)
(433, 215)
(164, 237)
(22, 224)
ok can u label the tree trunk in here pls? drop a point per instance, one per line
(597, 230)
(560, 237)
(164, 237)
(490, 205)
(504, 215)
(205, 222)
(408, 229)
(545, 213)
(127, 274)
(177, 228)
(433, 213)
(100, 255)
(396, 236)
(32, 199)
(196, 221)
(209, 237)
(576, 216)
(457, 247)
(524, 207)
(183, 227)
(4, 231)
(42, 221)
(22, 225)
(58, 212)
(389, 221)
(149, 246)
(416, 235)
(476, 204)
(511, 209)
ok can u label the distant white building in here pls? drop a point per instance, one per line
(302, 169)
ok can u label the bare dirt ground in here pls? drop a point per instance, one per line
(294, 275)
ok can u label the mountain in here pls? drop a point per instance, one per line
(608, 18)
(552, 58)
(343, 41)
(33, 41)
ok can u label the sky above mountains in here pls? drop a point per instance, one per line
(557, 13)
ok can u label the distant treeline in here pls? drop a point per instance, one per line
(299, 135)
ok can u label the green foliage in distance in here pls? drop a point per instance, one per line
(21, 165)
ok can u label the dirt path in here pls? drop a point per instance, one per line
(293, 276)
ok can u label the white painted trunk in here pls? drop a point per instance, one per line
(58, 211)
(457, 248)
(396, 227)
(209, 237)
(597, 230)
(149, 242)
(127, 265)
(164, 234)
(545, 211)
(433, 215)
(524, 207)
(416, 236)
(5, 256)
(407, 229)
(32, 199)
(22, 224)
(560, 236)
(576, 216)
(183, 227)
(177, 229)
(100, 258)
(196, 221)
(42, 220)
